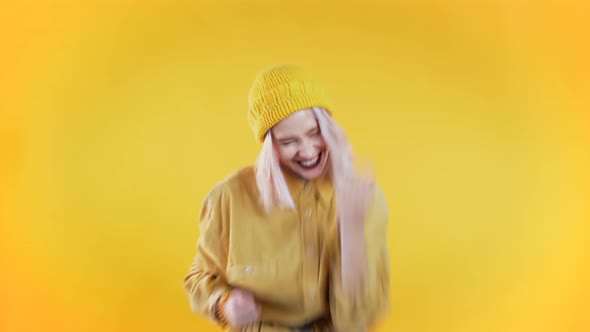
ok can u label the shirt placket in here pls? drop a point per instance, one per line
(309, 240)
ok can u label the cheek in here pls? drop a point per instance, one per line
(320, 143)
(286, 154)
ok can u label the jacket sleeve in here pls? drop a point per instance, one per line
(361, 313)
(205, 282)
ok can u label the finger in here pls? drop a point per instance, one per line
(249, 314)
(247, 304)
(255, 315)
(258, 311)
(365, 168)
(368, 175)
(254, 309)
(238, 292)
(244, 297)
(237, 301)
(247, 296)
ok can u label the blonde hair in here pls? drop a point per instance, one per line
(270, 180)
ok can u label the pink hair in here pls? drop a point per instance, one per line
(269, 176)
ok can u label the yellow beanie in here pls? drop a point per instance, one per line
(278, 92)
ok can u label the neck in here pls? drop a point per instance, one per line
(288, 172)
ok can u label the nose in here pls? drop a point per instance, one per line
(307, 150)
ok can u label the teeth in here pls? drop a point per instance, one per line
(310, 162)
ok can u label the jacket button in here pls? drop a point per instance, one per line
(308, 213)
(249, 269)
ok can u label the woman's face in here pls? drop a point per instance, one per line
(300, 145)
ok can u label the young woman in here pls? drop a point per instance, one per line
(297, 241)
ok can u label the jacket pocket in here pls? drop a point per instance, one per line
(273, 279)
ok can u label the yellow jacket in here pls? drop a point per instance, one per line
(290, 260)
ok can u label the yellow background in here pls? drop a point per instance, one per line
(118, 116)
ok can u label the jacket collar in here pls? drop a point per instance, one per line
(322, 186)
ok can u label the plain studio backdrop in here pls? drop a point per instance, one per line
(116, 118)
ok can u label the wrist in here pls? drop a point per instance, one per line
(349, 229)
(353, 247)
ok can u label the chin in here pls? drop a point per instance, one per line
(311, 175)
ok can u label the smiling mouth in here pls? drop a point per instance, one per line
(310, 163)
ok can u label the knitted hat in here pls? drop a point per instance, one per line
(278, 92)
